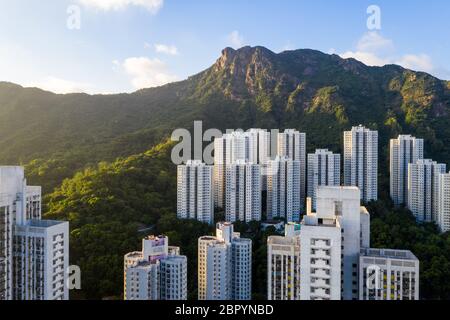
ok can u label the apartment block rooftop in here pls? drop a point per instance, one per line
(44, 223)
(388, 253)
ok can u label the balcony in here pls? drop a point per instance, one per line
(320, 254)
(320, 244)
(320, 264)
(320, 283)
(321, 274)
(320, 294)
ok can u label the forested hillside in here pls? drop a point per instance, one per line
(320, 94)
(114, 153)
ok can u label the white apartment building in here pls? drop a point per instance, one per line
(324, 169)
(387, 274)
(329, 256)
(41, 260)
(241, 269)
(292, 144)
(262, 146)
(403, 151)
(158, 272)
(443, 219)
(6, 227)
(224, 265)
(265, 145)
(173, 281)
(34, 253)
(283, 189)
(361, 161)
(320, 258)
(283, 265)
(252, 146)
(243, 192)
(353, 222)
(423, 188)
(195, 191)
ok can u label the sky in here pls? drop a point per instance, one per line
(111, 46)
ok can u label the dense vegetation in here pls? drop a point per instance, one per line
(108, 206)
(90, 152)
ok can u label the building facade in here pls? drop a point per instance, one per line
(338, 208)
(361, 161)
(283, 265)
(443, 219)
(224, 265)
(243, 192)
(423, 189)
(253, 146)
(41, 260)
(158, 272)
(324, 169)
(292, 144)
(320, 258)
(403, 151)
(34, 253)
(195, 191)
(283, 189)
(387, 274)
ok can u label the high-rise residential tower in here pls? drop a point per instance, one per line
(324, 169)
(283, 265)
(195, 191)
(403, 151)
(320, 258)
(262, 146)
(158, 272)
(423, 188)
(328, 256)
(292, 144)
(224, 265)
(361, 161)
(243, 192)
(345, 225)
(443, 219)
(283, 189)
(34, 253)
(41, 260)
(391, 275)
(252, 146)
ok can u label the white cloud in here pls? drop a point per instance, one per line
(167, 49)
(151, 5)
(421, 62)
(368, 58)
(374, 50)
(58, 85)
(236, 39)
(374, 42)
(145, 72)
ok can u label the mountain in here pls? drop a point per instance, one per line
(104, 160)
(57, 135)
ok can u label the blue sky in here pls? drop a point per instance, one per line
(123, 45)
